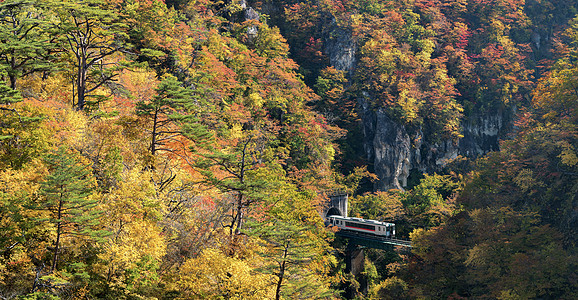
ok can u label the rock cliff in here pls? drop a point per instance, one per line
(395, 150)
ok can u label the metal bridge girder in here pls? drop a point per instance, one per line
(372, 241)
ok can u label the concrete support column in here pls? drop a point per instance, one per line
(354, 266)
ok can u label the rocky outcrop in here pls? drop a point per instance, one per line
(395, 150)
(250, 14)
(387, 144)
(340, 47)
(481, 133)
(392, 149)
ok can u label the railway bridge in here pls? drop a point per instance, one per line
(357, 241)
(337, 205)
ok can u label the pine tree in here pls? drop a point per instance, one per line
(94, 33)
(162, 109)
(67, 190)
(290, 251)
(7, 97)
(294, 242)
(28, 45)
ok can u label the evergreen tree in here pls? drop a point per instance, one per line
(17, 144)
(94, 33)
(27, 43)
(162, 110)
(7, 96)
(294, 249)
(67, 190)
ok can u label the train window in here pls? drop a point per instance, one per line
(361, 226)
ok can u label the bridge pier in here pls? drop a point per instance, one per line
(354, 266)
(354, 259)
(357, 286)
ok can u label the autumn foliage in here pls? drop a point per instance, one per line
(183, 149)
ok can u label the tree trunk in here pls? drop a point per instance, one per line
(154, 135)
(11, 75)
(239, 213)
(81, 83)
(281, 274)
(58, 234)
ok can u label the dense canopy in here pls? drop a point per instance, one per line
(184, 149)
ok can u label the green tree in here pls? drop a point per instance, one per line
(289, 251)
(432, 201)
(384, 206)
(94, 34)
(28, 45)
(390, 288)
(236, 167)
(7, 97)
(67, 190)
(163, 110)
(23, 135)
(294, 244)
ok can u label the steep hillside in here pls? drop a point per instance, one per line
(184, 149)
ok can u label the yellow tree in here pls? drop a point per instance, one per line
(131, 255)
(214, 274)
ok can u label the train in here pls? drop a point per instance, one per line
(362, 225)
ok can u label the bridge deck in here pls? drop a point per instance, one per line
(372, 241)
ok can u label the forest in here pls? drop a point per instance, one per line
(185, 149)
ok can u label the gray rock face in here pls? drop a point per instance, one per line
(481, 134)
(388, 145)
(340, 47)
(250, 14)
(395, 150)
(392, 148)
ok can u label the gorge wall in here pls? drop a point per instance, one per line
(394, 150)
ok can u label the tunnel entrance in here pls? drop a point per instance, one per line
(333, 212)
(336, 206)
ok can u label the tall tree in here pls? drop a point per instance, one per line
(94, 34)
(294, 243)
(27, 43)
(67, 189)
(237, 165)
(162, 109)
(7, 97)
(289, 251)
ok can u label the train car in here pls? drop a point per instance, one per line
(362, 225)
